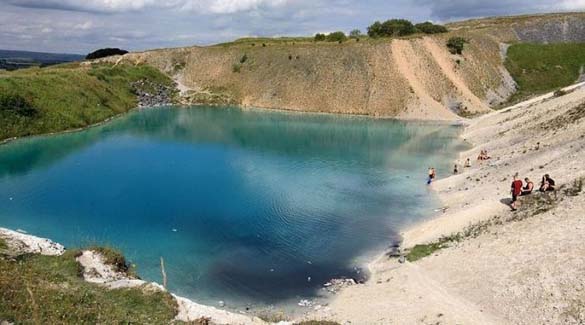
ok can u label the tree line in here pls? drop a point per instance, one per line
(389, 28)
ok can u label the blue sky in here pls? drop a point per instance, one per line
(79, 26)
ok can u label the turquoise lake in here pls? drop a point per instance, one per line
(244, 205)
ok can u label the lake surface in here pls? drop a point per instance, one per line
(244, 205)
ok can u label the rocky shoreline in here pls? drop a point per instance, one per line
(483, 263)
(152, 94)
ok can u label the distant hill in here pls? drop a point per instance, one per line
(12, 60)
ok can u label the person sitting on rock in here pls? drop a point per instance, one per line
(547, 184)
(527, 189)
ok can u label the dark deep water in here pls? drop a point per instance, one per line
(244, 206)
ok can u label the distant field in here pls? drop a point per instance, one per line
(13, 60)
(541, 68)
(37, 101)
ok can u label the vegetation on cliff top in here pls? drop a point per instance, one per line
(403, 27)
(39, 289)
(36, 101)
(102, 53)
(541, 68)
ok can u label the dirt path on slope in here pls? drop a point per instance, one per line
(425, 107)
(446, 65)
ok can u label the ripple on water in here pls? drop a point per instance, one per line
(244, 206)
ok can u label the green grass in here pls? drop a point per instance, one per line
(37, 289)
(421, 251)
(541, 68)
(36, 101)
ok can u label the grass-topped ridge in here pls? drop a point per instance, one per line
(45, 100)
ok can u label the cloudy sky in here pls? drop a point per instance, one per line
(79, 26)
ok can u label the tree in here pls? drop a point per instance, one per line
(392, 27)
(102, 53)
(320, 37)
(375, 30)
(336, 37)
(355, 33)
(398, 27)
(456, 44)
(430, 28)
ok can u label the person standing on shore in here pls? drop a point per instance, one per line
(432, 175)
(516, 191)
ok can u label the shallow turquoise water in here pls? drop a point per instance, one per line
(244, 206)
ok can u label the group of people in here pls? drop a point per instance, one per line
(520, 189)
(483, 155)
(466, 165)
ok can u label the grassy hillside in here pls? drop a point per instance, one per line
(37, 289)
(37, 101)
(540, 68)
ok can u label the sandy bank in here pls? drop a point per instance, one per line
(524, 268)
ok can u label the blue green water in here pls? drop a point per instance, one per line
(244, 206)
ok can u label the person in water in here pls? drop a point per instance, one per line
(527, 189)
(516, 191)
(547, 184)
(432, 175)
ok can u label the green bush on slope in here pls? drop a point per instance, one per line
(37, 101)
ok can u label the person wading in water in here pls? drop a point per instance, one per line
(432, 175)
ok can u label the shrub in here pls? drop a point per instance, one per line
(456, 45)
(336, 37)
(244, 59)
(355, 33)
(392, 27)
(102, 53)
(17, 104)
(236, 68)
(430, 28)
(320, 37)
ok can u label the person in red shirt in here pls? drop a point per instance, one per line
(516, 191)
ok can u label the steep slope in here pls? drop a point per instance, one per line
(415, 77)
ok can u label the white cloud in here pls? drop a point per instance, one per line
(573, 4)
(112, 6)
(85, 25)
